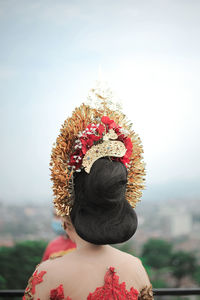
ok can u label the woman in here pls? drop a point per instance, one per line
(60, 245)
(97, 171)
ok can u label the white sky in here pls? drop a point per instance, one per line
(50, 52)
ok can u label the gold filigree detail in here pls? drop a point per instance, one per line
(146, 293)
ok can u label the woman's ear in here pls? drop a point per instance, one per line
(68, 227)
(64, 225)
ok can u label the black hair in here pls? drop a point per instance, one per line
(100, 213)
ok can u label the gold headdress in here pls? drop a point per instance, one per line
(90, 133)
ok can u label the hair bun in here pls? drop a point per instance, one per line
(106, 182)
(100, 213)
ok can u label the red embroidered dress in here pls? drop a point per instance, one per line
(112, 289)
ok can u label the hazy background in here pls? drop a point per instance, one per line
(50, 52)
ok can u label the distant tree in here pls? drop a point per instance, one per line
(159, 283)
(18, 263)
(196, 275)
(157, 253)
(147, 268)
(2, 283)
(183, 264)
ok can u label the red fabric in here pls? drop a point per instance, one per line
(112, 289)
(60, 243)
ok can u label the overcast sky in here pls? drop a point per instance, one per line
(149, 52)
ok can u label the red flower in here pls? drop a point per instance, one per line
(112, 125)
(106, 120)
(128, 143)
(84, 145)
(117, 130)
(100, 129)
(125, 160)
(93, 138)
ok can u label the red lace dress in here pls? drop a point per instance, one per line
(112, 289)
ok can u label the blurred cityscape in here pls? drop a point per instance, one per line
(25, 222)
(177, 221)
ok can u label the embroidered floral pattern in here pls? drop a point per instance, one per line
(112, 289)
(30, 290)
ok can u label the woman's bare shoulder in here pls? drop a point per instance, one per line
(133, 267)
(55, 272)
(54, 263)
(135, 264)
(129, 258)
(58, 268)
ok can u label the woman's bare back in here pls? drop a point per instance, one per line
(83, 270)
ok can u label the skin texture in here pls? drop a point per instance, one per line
(83, 270)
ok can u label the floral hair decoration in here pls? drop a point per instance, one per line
(91, 133)
(100, 140)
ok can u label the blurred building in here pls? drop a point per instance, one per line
(175, 222)
(181, 224)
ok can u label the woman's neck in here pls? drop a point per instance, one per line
(84, 245)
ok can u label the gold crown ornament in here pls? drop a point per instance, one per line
(107, 148)
(95, 130)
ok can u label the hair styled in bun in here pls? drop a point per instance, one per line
(100, 213)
